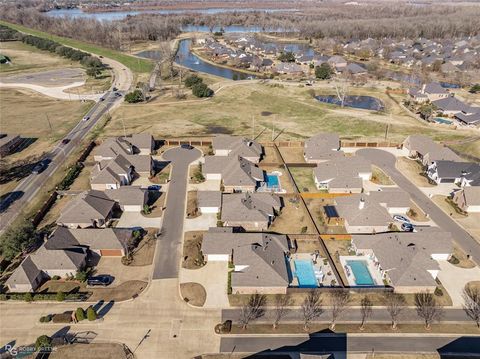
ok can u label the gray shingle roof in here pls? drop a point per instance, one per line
(239, 146)
(209, 198)
(343, 172)
(249, 207)
(93, 238)
(322, 146)
(235, 170)
(452, 169)
(26, 273)
(128, 195)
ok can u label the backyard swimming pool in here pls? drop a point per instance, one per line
(305, 273)
(361, 273)
(442, 121)
(272, 180)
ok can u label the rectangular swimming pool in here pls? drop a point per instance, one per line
(272, 180)
(305, 273)
(361, 272)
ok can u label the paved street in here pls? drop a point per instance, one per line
(386, 162)
(168, 249)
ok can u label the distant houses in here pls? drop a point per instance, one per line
(427, 151)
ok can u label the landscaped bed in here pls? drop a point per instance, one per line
(193, 293)
(192, 205)
(379, 177)
(192, 254)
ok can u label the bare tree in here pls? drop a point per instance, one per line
(365, 310)
(254, 309)
(341, 87)
(311, 308)
(282, 302)
(395, 303)
(167, 56)
(339, 299)
(471, 305)
(428, 308)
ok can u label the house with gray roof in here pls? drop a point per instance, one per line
(225, 145)
(139, 144)
(472, 120)
(428, 92)
(468, 199)
(111, 174)
(251, 211)
(451, 106)
(129, 198)
(408, 261)
(343, 174)
(461, 173)
(322, 147)
(236, 173)
(209, 201)
(88, 209)
(260, 259)
(427, 151)
(26, 277)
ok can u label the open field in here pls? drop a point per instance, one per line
(135, 64)
(298, 115)
(22, 56)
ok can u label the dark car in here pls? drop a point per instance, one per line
(40, 167)
(100, 280)
(154, 187)
(118, 94)
(65, 141)
(115, 89)
(407, 227)
(102, 99)
(187, 147)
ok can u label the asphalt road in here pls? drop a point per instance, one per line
(386, 161)
(342, 343)
(29, 186)
(168, 249)
(58, 77)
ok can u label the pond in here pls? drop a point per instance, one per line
(189, 60)
(362, 102)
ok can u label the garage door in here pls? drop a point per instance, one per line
(111, 253)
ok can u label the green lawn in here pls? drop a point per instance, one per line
(137, 65)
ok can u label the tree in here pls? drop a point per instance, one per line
(94, 71)
(282, 302)
(80, 314)
(192, 80)
(254, 309)
(341, 88)
(475, 88)
(134, 96)
(324, 71)
(60, 297)
(286, 57)
(311, 308)
(365, 310)
(81, 275)
(43, 342)
(426, 111)
(16, 239)
(338, 301)
(428, 308)
(395, 304)
(91, 314)
(471, 305)
(202, 90)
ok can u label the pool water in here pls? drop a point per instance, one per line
(361, 272)
(272, 181)
(305, 273)
(363, 102)
(442, 120)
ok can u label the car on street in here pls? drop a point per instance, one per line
(40, 167)
(102, 280)
(407, 227)
(102, 99)
(86, 118)
(154, 187)
(400, 218)
(65, 141)
(118, 94)
(186, 146)
(114, 89)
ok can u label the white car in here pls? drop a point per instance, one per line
(86, 118)
(400, 218)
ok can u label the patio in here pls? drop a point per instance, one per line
(371, 266)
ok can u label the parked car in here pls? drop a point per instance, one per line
(407, 227)
(65, 141)
(86, 118)
(400, 218)
(154, 187)
(100, 280)
(187, 147)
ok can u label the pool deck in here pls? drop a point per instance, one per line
(374, 272)
(319, 266)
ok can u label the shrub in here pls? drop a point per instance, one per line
(48, 318)
(475, 88)
(324, 71)
(56, 277)
(60, 297)
(202, 90)
(438, 292)
(304, 229)
(70, 177)
(42, 319)
(81, 275)
(287, 57)
(43, 341)
(80, 314)
(62, 317)
(91, 314)
(28, 297)
(193, 80)
(146, 209)
(134, 96)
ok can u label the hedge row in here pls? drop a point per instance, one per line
(43, 296)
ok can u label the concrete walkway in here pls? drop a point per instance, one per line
(443, 189)
(455, 278)
(201, 223)
(208, 185)
(214, 278)
(55, 92)
(136, 219)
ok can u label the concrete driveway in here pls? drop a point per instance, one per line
(113, 266)
(168, 249)
(201, 223)
(136, 219)
(455, 278)
(214, 278)
(208, 185)
(386, 161)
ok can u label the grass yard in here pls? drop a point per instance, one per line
(413, 171)
(293, 219)
(303, 177)
(92, 350)
(22, 56)
(459, 258)
(192, 254)
(135, 64)
(292, 154)
(470, 148)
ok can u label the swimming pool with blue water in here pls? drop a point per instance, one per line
(272, 180)
(305, 273)
(361, 272)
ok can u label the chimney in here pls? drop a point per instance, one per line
(361, 204)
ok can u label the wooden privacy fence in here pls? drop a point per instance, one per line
(325, 195)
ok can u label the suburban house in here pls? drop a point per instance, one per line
(337, 62)
(251, 211)
(452, 106)
(461, 173)
(129, 198)
(407, 261)
(472, 119)
(259, 259)
(236, 173)
(139, 144)
(322, 147)
(342, 174)
(88, 209)
(427, 151)
(432, 91)
(468, 199)
(8, 143)
(225, 145)
(111, 174)
(368, 213)
(209, 201)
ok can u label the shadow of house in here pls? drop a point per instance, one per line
(462, 347)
